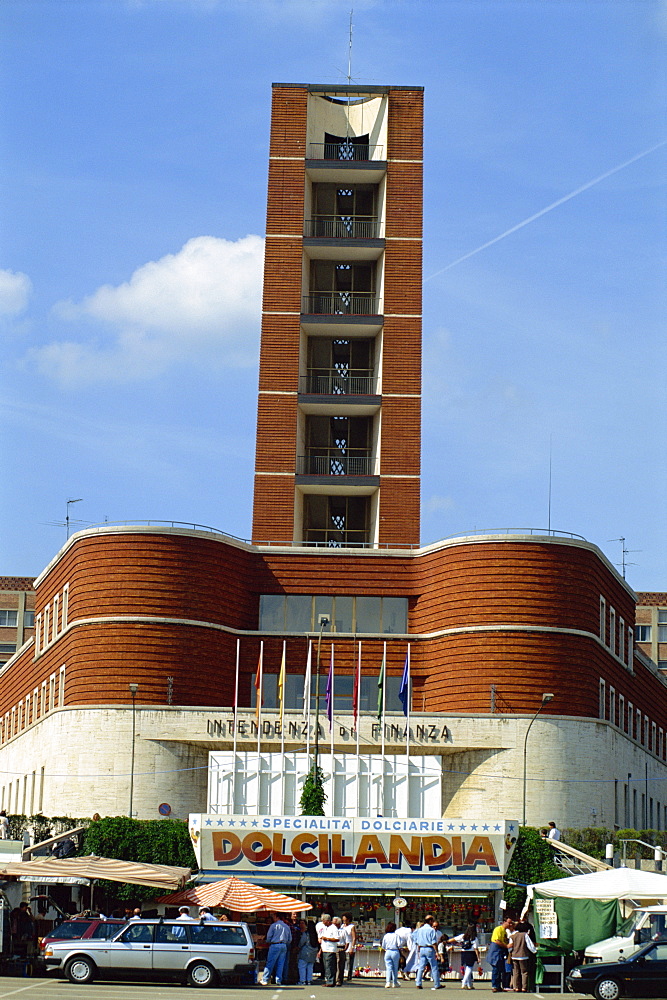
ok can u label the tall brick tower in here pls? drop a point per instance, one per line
(338, 429)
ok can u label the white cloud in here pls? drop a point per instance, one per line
(200, 306)
(15, 289)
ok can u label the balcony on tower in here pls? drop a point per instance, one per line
(342, 289)
(347, 216)
(339, 374)
(337, 446)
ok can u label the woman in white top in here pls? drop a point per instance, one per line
(469, 954)
(391, 945)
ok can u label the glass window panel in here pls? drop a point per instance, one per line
(662, 617)
(272, 612)
(269, 691)
(299, 611)
(294, 691)
(343, 614)
(323, 606)
(369, 614)
(662, 633)
(343, 693)
(394, 614)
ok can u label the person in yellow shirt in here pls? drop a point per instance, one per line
(498, 950)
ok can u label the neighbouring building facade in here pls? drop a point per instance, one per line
(17, 614)
(651, 627)
(153, 644)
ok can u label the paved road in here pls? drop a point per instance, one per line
(365, 989)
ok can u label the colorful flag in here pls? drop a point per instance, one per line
(307, 681)
(356, 691)
(258, 683)
(330, 689)
(281, 683)
(381, 687)
(404, 690)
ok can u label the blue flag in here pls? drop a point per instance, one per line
(330, 684)
(404, 690)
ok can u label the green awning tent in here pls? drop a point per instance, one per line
(587, 907)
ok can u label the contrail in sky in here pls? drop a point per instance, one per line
(543, 211)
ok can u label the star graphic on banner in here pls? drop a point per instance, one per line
(473, 826)
(485, 827)
(231, 823)
(255, 823)
(221, 822)
(497, 826)
(209, 822)
(243, 823)
(511, 827)
(462, 826)
(451, 826)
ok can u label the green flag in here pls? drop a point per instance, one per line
(381, 688)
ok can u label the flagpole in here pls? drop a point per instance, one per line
(306, 695)
(407, 738)
(236, 709)
(283, 671)
(384, 703)
(331, 728)
(356, 723)
(260, 671)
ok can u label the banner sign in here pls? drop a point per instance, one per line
(370, 846)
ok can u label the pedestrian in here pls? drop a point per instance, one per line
(4, 825)
(349, 934)
(320, 927)
(206, 915)
(554, 832)
(329, 945)
(426, 939)
(184, 913)
(412, 960)
(405, 938)
(309, 946)
(523, 950)
(136, 913)
(278, 938)
(22, 928)
(469, 954)
(498, 951)
(391, 945)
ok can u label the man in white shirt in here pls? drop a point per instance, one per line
(404, 935)
(554, 832)
(329, 939)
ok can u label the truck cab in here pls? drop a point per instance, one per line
(646, 923)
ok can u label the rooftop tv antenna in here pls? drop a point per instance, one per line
(349, 53)
(624, 553)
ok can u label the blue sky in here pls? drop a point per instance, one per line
(133, 162)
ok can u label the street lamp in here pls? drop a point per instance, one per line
(324, 621)
(546, 698)
(133, 691)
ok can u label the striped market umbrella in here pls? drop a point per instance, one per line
(234, 894)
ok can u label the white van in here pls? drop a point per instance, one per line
(647, 923)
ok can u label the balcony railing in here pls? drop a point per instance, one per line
(321, 383)
(344, 151)
(333, 539)
(340, 304)
(331, 462)
(341, 227)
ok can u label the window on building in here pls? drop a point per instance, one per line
(642, 633)
(8, 619)
(612, 630)
(343, 690)
(621, 639)
(631, 721)
(45, 703)
(645, 739)
(661, 743)
(35, 704)
(38, 634)
(654, 745)
(343, 212)
(662, 626)
(56, 610)
(631, 648)
(65, 611)
(52, 691)
(303, 613)
(61, 686)
(29, 619)
(622, 721)
(339, 367)
(7, 650)
(602, 708)
(47, 625)
(603, 620)
(612, 705)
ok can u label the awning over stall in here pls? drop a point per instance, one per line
(93, 868)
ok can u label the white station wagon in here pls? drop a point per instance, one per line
(201, 953)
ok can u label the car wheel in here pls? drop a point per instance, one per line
(201, 974)
(607, 989)
(80, 969)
